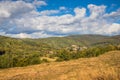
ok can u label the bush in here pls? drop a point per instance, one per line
(10, 60)
(45, 60)
(64, 55)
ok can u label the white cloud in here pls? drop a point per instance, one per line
(20, 35)
(15, 9)
(62, 8)
(114, 28)
(80, 12)
(113, 16)
(4, 14)
(39, 3)
(49, 12)
(20, 19)
(33, 35)
(96, 11)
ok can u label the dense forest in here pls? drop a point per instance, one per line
(16, 52)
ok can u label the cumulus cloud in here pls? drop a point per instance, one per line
(20, 19)
(114, 28)
(80, 12)
(39, 3)
(113, 16)
(52, 12)
(49, 12)
(96, 11)
(33, 35)
(62, 8)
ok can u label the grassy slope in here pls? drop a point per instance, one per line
(104, 67)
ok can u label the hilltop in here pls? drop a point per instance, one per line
(104, 67)
(62, 42)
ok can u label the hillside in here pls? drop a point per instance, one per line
(81, 40)
(16, 46)
(61, 42)
(15, 52)
(104, 67)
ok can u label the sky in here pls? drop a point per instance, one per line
(57, 18)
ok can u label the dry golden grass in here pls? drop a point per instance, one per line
(104, 67)
(49, 59)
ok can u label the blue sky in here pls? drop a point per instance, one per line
(49, 18)
(112, 5)
(55, 4)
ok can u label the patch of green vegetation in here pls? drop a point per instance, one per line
(22, 52)
(65, 55)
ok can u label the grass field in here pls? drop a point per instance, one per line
(104, 67)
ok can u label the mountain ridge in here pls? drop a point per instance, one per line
(61, 42)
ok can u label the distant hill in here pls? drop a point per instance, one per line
(22, 46)
(59, 42)
(81, 40)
